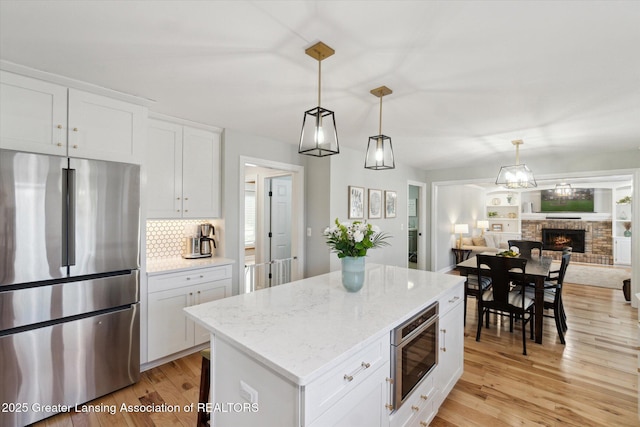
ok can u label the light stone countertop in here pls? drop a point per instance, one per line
(175, 265)
(299, 328)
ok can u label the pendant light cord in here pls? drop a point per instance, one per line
(380, 125)
(319, 81)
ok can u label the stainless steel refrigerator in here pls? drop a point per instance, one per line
(69, 282)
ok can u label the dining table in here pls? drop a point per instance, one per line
(536, 271)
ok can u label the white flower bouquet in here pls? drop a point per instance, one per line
(354, 239)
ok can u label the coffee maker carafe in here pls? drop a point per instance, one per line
(207, 244)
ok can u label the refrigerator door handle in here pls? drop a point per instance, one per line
(69, 227)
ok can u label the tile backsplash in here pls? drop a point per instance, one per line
(165, 238)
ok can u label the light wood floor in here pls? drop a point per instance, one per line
(590, 381)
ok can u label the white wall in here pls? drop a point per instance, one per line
(455, 204)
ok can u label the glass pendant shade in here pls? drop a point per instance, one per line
(379, 153)
(319, 137)
(379, 149)
(518, 175)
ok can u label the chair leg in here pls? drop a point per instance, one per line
(557, 316)
(205, 384)
(479, 321)
(465, 308)
(524, 336)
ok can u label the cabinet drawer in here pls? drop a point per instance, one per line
(163, 282)
(451, 298)
(324, 392)
(418, 405)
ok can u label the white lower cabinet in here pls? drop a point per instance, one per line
(451, 345)
(362, 406)
(418, 409)
(622, 250)
(168, 328)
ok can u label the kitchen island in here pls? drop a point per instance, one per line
(308, 353)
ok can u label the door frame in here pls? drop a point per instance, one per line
(297, 213)
(422, 223)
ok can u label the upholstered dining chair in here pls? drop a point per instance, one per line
(553, 296)
(527, 247)
(500, 299)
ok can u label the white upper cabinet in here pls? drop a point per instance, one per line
(201, 173)
(104, 128)
(33, 115)
(183, 171)
(42, 117)
(164, 170)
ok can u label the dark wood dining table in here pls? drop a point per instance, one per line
(536, 271)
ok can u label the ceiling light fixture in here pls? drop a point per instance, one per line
(379, 149)
(563, 189)
(319, 136)
(518, 175)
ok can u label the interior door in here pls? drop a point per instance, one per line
(280, 199)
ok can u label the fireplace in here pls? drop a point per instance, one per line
(555, 239)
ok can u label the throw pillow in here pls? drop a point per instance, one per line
(479, 241)
(467, 241)
(488, 238)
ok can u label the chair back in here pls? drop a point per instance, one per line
(566, 257)
(500, 270)
(526, 247)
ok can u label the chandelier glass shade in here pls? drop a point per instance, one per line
(563, 190)
(518, 175)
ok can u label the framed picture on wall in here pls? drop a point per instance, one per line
(356, 202)
(390, 204)
(496, 227)
(375, 203)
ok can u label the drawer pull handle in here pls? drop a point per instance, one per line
(415, 408)
(423, 424)
(424, 397)
(389, 406)
(454, 299)
(363, 366)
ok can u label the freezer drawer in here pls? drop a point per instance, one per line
(67, 364)
(37, 304)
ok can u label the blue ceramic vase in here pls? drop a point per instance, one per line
(352, 273)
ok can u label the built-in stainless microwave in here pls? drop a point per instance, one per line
(414, 352)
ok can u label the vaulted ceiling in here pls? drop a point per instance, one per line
(467, 76)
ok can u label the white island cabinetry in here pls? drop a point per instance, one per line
(308, 353)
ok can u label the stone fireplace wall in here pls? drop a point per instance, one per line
(598, 238)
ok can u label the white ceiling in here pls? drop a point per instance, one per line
(467, 76)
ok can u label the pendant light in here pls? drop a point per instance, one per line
(563, 190)
(518, 175)
(379, 149)
(319, 137)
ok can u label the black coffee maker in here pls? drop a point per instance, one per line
(207, 244)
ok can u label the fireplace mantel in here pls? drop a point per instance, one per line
(562, 216)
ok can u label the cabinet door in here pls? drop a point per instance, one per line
(622, 250)
(104, 128)
(201, 173)
(33, 115)
(451, 350)
(363, 406)
(164, 170)
(209, 292)
(169, 330)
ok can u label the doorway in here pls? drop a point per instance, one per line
(273, 211)
(416, 220)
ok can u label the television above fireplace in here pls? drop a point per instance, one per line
(556, 239)
(578, 200)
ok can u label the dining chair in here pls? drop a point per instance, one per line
(526, 247)
(471, 288)
(553, 296)
(500, 299)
